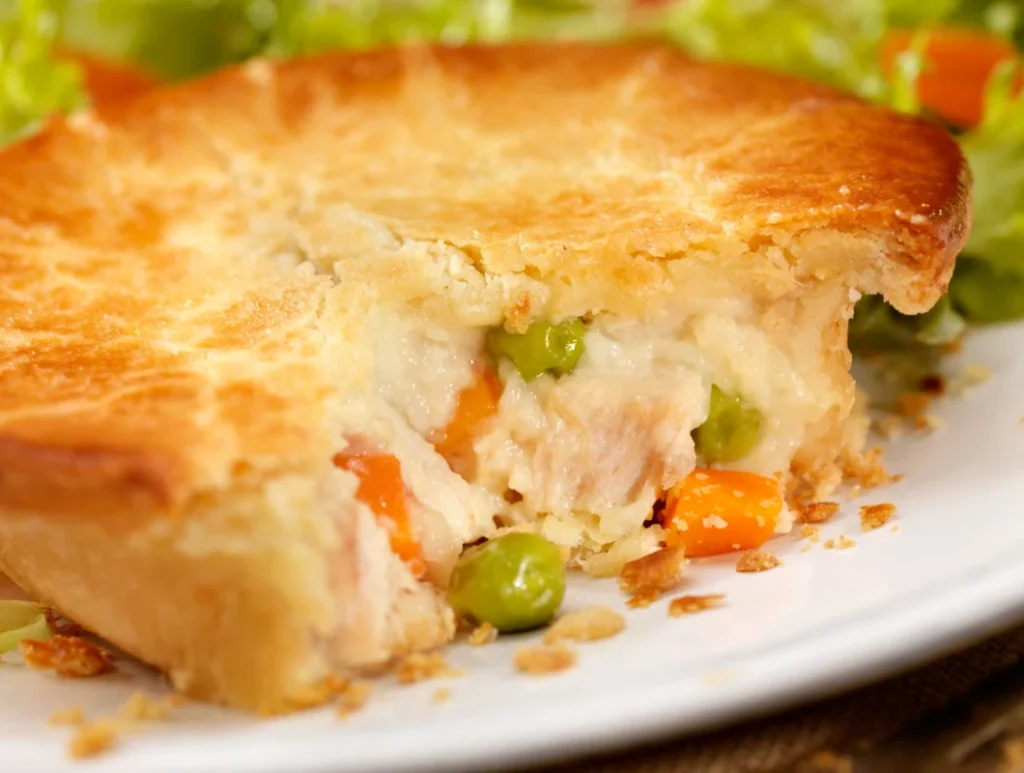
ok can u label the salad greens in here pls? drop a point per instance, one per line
(33, 83)
(838, 43)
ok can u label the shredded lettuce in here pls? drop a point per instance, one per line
(173, 39)
(20, 620)
(34, 83)
(305, 26)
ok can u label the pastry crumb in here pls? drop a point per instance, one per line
(353, 697)
(895, 527)
(66, 656)
(890, 426)
(757, 561)
(650, 576)
(587, 624)
(93, 739)
(826, 762)
(642, 600)
(1012, 753)
(423, 665)
(485, 633)
(688, 605)
(867, 469)
(876, 516)
(140, 707)
(70, 716)
(842, 542)
(817, 512)
(806, 548)
(544, 659)
(813, 533)
(441, 695)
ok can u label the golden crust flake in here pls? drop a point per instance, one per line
(587, 624)
(757, 561)
(483, 634)
(876, 516)
(544, 659)
(68, 656)
(689, 605)
(648, 577)
(420, 666)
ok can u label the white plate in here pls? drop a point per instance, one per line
(824, 621)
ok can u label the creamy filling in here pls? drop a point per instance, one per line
(583, 456)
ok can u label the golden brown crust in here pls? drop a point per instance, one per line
(132, 271)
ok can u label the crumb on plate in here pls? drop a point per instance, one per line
(1011, 752)
(420, 666)
(485, 633)
(876, 516)
(842, 542)
(688, 605)
(812, 533)
(653, 574)
(141, 707)
(642, 600)
(93, 739)
(867, 469)
(66, 656)
(757, 561)
(826, 762)
(69, 716)
(587, 624)
(817, 512)
(544, 659)
(353, 697)
(441, 695)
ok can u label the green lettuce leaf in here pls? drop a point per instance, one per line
(173, 39)
(832, 42)
(306, 26)
(34, 84)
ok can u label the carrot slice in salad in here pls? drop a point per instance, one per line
(382, 490)
(719, 511)
(958, 64)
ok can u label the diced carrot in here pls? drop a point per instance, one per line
(958, 64)
(718, 511)
(477, 403)
(382, 490)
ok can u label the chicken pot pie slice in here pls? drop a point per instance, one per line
(278, 343)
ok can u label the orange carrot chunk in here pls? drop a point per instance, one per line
(382, 490)
(958, 64)
(477, 403)
(719, 511)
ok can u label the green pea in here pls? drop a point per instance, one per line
(545, 347)
(515, 582)
(731, 430)
(983, 293)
